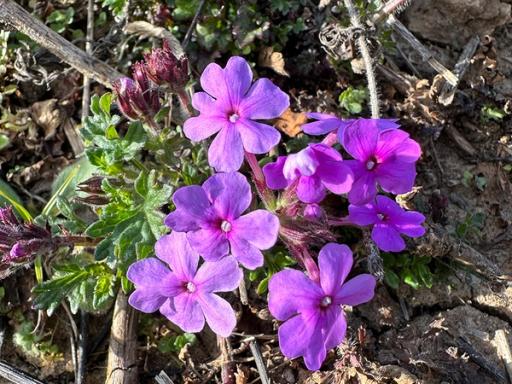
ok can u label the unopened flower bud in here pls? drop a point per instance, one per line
(17, 252)
(314, 212)
(123, 88)
(92, 185)
(7, 216)
(165, 69)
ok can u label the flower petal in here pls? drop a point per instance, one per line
(310, 189)
(291, 291)
(260, 228)
(362, 214)
(211, 243)
(219, 314)
(360, 139)
(176, 251)
(192, 206)
(363, 189)
(303, 163)
(186, 314)
(321, 127)
(409, 223)
(274, 176)
(334, 262)
(335, 327)
(256, 137)
(357, 290)
(219, 276)
(230, 194)
(201, 127)
(387, 238)
(265, 100)
(148, 272)
(213, 82)
(226, 152)
(238, 78)
(396, 177)
(396, 144)
(336, 176)
(246, 253)
(146, 299)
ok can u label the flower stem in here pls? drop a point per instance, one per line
(152, 125)
(185, 102)
(264, 192)
(340, 222)
(331, 138)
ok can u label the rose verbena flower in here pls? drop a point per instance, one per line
(315, 169)
(211, 215)
(314, 321)
(384, 157)
(389, 221)
(230, 107)
(173, 284)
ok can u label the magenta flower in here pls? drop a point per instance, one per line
(328, 123)
(212, 217)
(384, 157)
(389, 220)
(313, 318)
(316, 168)
(183, 293)
(230, 106)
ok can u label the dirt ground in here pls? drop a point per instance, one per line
(443, 334)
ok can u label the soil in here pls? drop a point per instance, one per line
(445, 334)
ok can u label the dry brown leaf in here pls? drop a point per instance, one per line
(273, 60)
(290, 122)
(48, 116)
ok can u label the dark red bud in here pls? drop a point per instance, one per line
(123, 88)
(165, 69)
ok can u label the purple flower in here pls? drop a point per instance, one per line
(316, 168)
(389, 221)
(183, 293)
(327, 123)
(384, 157)
(230, 106)
(314, 320)
(212, 217)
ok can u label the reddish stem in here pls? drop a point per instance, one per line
(331, 138)
(266, 195)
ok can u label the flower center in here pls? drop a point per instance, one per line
(326, 301)
(226, 226)
(371, 164)
(191, 287)
(233, 117)
(381, 216)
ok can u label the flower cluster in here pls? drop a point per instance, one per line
(138, 97)
(211, 221)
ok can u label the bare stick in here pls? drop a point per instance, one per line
(13, 15)
(504, 351)
(368, 62)
(188, 35)
(481, 360)
(227, 369)
(260, 364)
(122, 351)
(82, 347)
(386, 9)
(86, 95)
(15, 375)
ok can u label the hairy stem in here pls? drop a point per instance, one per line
(264, 192)
(368, 62)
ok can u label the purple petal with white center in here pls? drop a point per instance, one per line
(388, 207)
(274, 176)
(246, 253)
(238, 78)
(219, 276)
(211, 243)
(396, 177)
(191, 206)
(310, 189)
(256, 137)
(146, 299)
(362, 214)
(218, 313)
(226, 152)
(230, 194)
(176, 251)
(186, 314)
(290, 292)
(334, 262)
(147, 273)
(201, 127)
(169, 286)
(264, 101)
(387, 238)
(259, 227)
(358, 290)
(360, 139)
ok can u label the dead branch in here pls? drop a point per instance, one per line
(14, 16)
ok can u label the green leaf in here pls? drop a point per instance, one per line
(9, 196)
(410, 278)
(262, 286)
(424, 274)
(65, 184)
(391, 279)
(4, 141)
